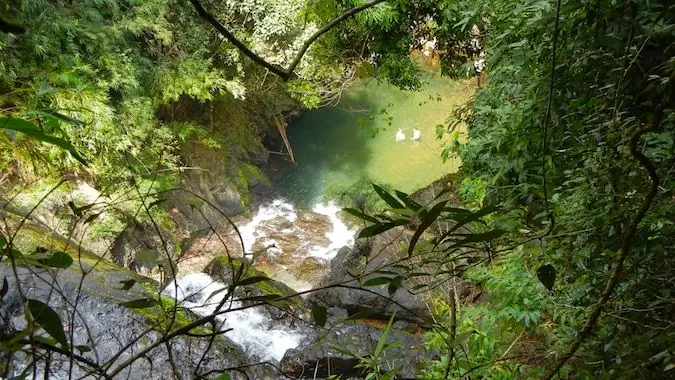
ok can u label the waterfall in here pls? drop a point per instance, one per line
(256, 332)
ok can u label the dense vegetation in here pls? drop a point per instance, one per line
(566, 184)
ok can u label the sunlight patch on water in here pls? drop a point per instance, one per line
(257, 334)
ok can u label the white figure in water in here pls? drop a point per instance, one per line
(400, 136)
(416, 134)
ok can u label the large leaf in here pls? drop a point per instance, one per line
(429, 218)
(57, 260)
(48, 319)
(360, 215)
(142, 303)
(388, 198)
(33, 131)
(253, 280)
(378, 281)
(546, 274)
(379, 228)
(464, 219)
(320, 315)
(383, 338)
(408, 201)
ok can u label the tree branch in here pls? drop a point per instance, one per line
(284, 73)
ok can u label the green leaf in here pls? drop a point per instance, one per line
(142, 303)
(431, 217)
(466, 218)
(5, 287)
(378, 281)
(479, 237)
(57, 260)
(83, 349)
(225, 376)
(127, 284)
(383, 339)
(48, 319)
(33, 131)
(360, 215)
(388, 198)
(377, 229)
(408, 201)
(546, 275)
(320, 315)
(253, 280)
(343, 350)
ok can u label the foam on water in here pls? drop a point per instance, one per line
(279, 210)
(252, 329)
(339, 236)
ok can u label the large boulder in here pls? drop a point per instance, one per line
(345, 269)
(109, 320)
(337, 352)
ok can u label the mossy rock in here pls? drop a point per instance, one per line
(225, 269)
(105, 280)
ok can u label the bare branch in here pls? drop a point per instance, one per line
(284, 73)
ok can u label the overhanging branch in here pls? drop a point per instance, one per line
(283, 73)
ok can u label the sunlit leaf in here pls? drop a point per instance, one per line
(31, 130)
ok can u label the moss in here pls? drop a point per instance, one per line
(221, 268)
(169, 316)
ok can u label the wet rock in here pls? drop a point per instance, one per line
(223, 269)
(104, 325)
(374, 300)
(403, 353)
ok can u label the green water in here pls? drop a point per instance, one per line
(337, 146)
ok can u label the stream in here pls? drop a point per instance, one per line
(295, 233)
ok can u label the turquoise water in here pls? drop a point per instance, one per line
(338, 146)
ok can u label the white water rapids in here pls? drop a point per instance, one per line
(275, 213)
(254, 331)
(286, 236)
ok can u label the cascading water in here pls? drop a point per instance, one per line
(257, 333)
(277, 219)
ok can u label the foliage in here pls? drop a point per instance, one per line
(555, 145)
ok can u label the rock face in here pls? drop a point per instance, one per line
(374, 300)
(403, 353)
(105, 325)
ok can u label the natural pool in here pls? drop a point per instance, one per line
(339, 145)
